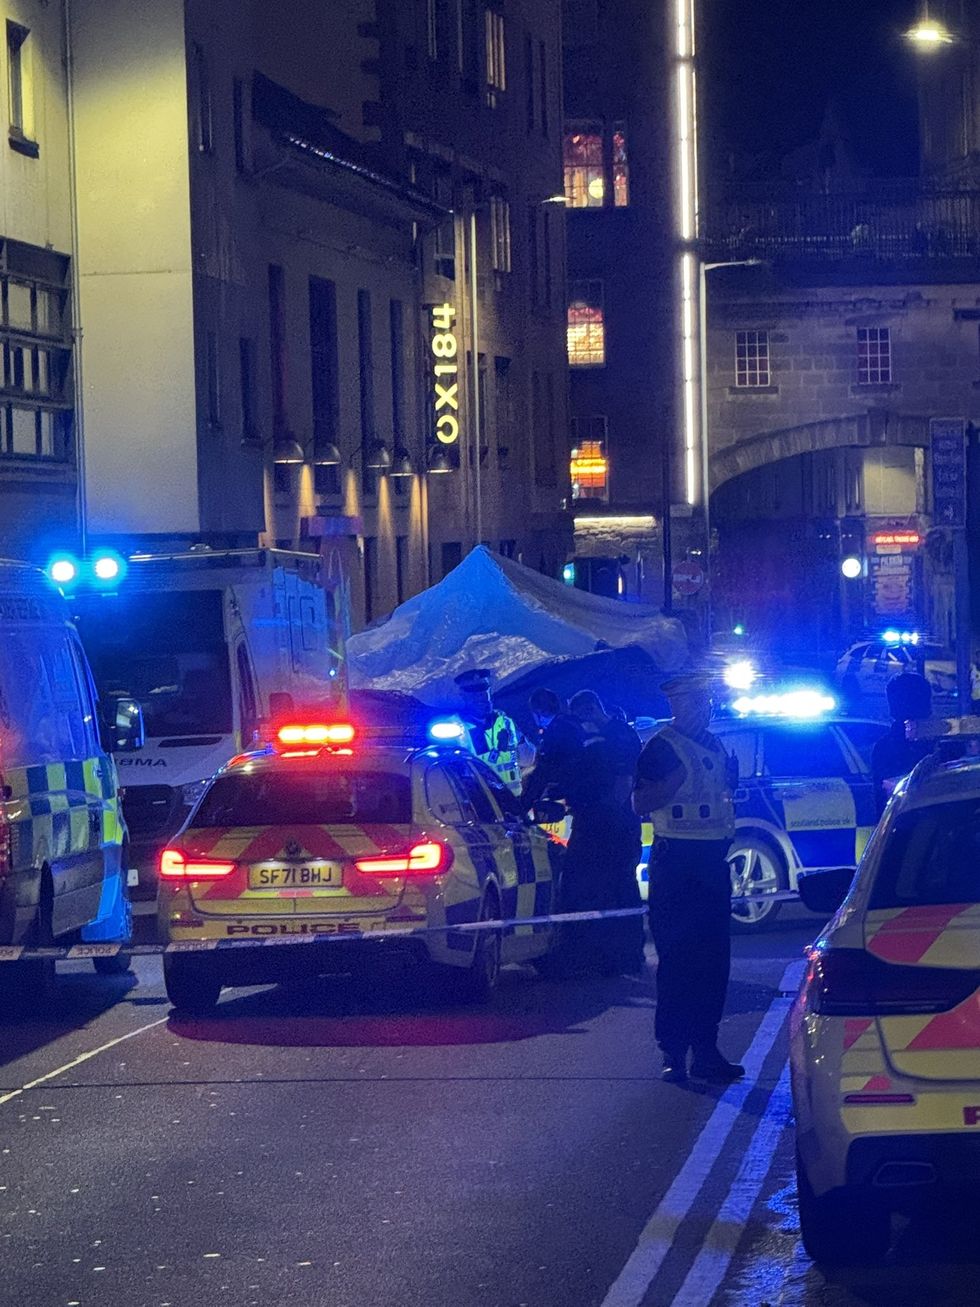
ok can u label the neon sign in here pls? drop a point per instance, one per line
(445, 373)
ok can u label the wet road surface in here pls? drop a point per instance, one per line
(330, 1144)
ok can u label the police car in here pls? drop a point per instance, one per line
(885, 1033)
(804, 800)
(321, 836)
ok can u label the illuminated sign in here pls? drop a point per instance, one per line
(895, 539)
(445, 373)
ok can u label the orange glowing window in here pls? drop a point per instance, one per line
(586, 325)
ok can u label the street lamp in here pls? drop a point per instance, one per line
(928, 33)
(703, 270)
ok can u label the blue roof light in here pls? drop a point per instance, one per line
(802, 704)
(108, 567)
(446, 730)
(63, 569)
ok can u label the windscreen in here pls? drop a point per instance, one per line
(932, 856)
(337, 797)
(165, 650)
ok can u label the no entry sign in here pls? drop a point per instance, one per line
(688, 578)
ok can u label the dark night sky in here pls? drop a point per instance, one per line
(772, 66)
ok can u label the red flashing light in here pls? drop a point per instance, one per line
(428, 858)
(174, 865)
(318, 733)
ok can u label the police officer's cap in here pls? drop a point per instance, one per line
(476, 680)
(687, 683)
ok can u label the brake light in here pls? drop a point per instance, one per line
(316, 733)
(851, 982)
(174, 865)
(428, 858)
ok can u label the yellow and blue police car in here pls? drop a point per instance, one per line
(804, 800)
(885, 1033)
(320, 836)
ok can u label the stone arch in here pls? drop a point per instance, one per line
(858, 430)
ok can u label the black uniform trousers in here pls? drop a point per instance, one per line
(690, 907)
(600, 872)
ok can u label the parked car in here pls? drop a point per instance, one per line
(864, 670)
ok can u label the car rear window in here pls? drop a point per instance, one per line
(932, 855)
(805, 751)
(310, 798)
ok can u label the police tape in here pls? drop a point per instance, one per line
(258, 934)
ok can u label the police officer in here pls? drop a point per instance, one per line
(684, 780)
(560, 743)
(492, 735)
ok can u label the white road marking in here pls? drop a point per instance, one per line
(77, 1061)
(633, 1282)
(722, 1239)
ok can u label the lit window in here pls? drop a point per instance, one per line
(752, 358)
(500, 233)
(586, 328)
(620, 164)
(584, 175)
(874, 356)
(589, 464)
(496, 56)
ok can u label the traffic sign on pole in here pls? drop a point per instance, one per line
(688, 578)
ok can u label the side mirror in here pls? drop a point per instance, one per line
(121, 728)
(825, 891)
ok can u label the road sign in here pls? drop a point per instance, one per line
(948, 436)
(688, 578)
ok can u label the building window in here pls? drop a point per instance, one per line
(620, 167)
(213, 378)
(533, 263)
(246, 374)
(203, 126)
(277, 344)
(586, 327)
(401, 567)
(543, 61)
(584, 174)
(432, 28)
(530, 98)
(752, 358)
(444, 240)
(496, 56)
(546, 252)
(451, 555)
(502, 416)
(35, 358)
(19, 97)
(365, 341)
(874, 356)
(370, 578)
(324, 387)
(589, 464)
(239, 124)
(500, 233)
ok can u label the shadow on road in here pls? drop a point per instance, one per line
(362, 1013)
(28, 1020)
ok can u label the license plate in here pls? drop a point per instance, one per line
(299, 875)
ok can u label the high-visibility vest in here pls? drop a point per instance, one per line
(496, 745)
(702, 809)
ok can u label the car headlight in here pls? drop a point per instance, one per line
(190, 793)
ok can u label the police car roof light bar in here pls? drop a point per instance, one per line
(318, 733)
(803, 704)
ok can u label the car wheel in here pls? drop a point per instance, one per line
(842, 1227)
(758, 870)
(119, 965)
(483, 975)
(192, 988)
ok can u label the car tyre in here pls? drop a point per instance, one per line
(483, 975)
(193, 989)
(753, 859)
(842, 1227)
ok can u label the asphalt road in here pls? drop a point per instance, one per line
(333, 1146)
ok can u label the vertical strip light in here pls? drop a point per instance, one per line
(686, 175)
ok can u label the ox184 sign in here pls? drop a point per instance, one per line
(445, 373)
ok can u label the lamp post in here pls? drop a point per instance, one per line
(703, 270)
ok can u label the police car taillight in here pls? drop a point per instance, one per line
(427, 858)
(316, 733)
(175, 865)
(850, 982)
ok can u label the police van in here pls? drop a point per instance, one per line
(62, 835)
(804, 800)
(211, 644)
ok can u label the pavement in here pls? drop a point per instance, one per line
(330, 1145)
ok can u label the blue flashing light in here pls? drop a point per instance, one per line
(892, 636)
(568, 573)
(801, 704)
(738, 629)
(63, 569)
(108, 567)
(447, 730)
(740, 675)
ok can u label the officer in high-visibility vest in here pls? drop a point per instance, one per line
(492, 735)
(685, 780)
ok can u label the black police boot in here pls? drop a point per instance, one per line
(675, 1067)
(709, 1064)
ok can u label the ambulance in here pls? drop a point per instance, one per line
(212, 645)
